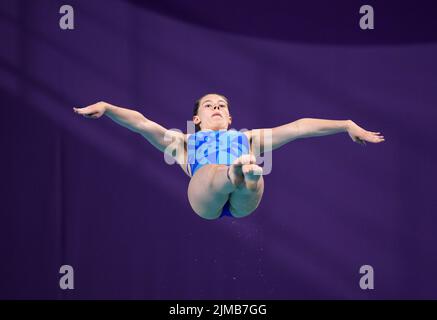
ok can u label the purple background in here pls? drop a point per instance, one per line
(97, 196)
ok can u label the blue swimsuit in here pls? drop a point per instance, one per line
(216, 147)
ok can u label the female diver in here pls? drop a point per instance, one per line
(225, 179)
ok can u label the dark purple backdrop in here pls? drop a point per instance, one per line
(97, 196)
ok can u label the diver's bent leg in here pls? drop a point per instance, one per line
(247, 196)
(220, 182)
(209, 190)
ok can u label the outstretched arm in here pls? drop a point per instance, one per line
(310, 127)
(156, 134)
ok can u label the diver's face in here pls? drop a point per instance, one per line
(213, 113)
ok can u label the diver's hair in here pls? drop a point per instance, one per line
(197, 105)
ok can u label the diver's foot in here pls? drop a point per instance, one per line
(252, 173)
(236, 170)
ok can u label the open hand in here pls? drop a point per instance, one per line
(93, 111)
(360, 135)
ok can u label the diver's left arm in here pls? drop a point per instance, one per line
(271, 139)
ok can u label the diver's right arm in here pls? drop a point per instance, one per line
(156, 134)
